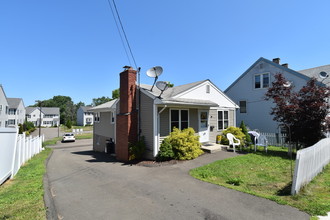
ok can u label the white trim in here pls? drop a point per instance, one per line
(179, 109)
(261, 80)
(155, 130)
(223, 119)
(208, 124)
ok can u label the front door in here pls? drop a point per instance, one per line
(203, 132)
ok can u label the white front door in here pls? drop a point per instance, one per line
(203, 121)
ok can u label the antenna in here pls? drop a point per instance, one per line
(162, 86)
(154, 72)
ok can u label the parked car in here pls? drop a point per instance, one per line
(68, 137)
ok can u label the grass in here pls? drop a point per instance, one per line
(268, 176)
(22, 197)
(85, 128)
(84, 136)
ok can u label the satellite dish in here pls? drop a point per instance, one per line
(154, 72)
(323, 75)
(162, 86)
(287, 84)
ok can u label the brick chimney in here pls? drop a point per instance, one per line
(127, 119)
(276, 60)
(285, 65)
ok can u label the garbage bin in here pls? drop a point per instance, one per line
(110, 145)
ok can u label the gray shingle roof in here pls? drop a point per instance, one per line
(29, 110)
(45, 110)
(314, 72)
(105, 107)
(14, 102)
(85, 108)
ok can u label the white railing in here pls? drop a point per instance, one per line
(15, 150)
(310, 162)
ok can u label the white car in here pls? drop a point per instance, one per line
(68, 137)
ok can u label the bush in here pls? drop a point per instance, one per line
(165, 151)
(185, 144)
(248, 140)
(237, 132)
(21, 129)
(137, 149)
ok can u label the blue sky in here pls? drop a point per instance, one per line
(72, 48)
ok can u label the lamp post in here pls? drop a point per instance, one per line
(39, 103)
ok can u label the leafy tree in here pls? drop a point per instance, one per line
(99, 101)
(303, 113)
(115, 94)
(68, 124)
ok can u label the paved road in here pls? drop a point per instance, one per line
(86, 185)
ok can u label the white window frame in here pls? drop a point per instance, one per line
(112, 117)
(180, 121)
(97, 117)
(261, 80)
(223, 120)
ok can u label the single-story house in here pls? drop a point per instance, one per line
(153, 114)
(248, 91)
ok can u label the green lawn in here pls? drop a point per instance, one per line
(85, 128)
(268, 176)
(22, 197)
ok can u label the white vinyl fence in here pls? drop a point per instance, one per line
(310, 162)
(275, 139)
(15, 150)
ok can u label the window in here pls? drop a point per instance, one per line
(223, 120)
(207, 88)
(11, 122)
(179, 119)
(97, 117)
(242, 106)
(112, 118)
(261, 81)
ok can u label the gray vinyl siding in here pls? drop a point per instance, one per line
(146, 122)
(213, 121)
(193, 119)
(164, 122)
(103, 130)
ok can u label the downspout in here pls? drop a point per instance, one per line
(156, 146)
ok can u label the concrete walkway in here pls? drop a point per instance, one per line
(81, 184)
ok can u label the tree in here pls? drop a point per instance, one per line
(303, 113)
(99, 101)
(115, 94)
(248, 140)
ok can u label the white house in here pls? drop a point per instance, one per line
(3, 108)
(16, 112)
(248, 91)
(84, 117)
(49, 116)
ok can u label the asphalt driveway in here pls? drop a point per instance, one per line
(81, 184)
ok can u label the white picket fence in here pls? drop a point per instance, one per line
(310, 162)
(275, 139)
(15, 150)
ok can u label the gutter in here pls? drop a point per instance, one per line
(156, 145)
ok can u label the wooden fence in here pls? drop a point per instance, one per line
(310, 162)
(15, 150)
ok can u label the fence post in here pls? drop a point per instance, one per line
(14, 155)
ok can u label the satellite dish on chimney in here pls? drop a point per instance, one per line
(323, 75)
(162, 86)
(154, 72)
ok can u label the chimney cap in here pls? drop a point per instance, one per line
(285, 65)
(127, 67)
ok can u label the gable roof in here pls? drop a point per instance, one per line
(105, 107)
(314, 72)
(14, 102)
(85, 108)
(29, 110)
(169, 96)
(45, 110)
(298, 74)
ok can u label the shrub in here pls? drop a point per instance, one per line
(237, 132)
(137, 149)
(185, 144)
(165, 151)
(248, 140)
(20, 129)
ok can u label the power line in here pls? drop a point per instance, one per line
(121, 37)
(123, 30)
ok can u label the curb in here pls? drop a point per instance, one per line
(51, 212)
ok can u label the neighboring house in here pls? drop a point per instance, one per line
(50, 116)
(248, 91)
(16, 112)
(3, 108)
(200, 105)
(84, 117)
(104, 129)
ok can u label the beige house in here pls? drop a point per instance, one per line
(200, 105)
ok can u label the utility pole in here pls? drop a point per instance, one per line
(39, 103)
